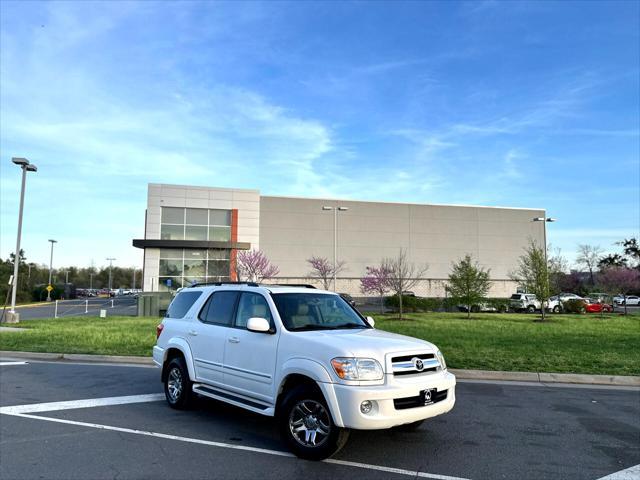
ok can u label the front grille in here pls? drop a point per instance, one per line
(418, 401)
(405, 365)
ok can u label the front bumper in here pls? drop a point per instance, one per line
(384, 414)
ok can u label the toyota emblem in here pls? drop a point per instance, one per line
(418, 363)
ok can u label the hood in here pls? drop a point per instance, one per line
(367, 343)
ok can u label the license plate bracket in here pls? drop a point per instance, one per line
(427, 396)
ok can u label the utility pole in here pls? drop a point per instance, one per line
(110, 267)
(50, 270)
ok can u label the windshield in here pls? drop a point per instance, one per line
(316, 311)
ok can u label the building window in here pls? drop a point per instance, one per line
(195, 224)
(182, 267)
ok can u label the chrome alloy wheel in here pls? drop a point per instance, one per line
(309, 423)
(174, 384)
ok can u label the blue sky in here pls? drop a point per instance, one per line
(523, 104)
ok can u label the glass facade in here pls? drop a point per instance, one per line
(182, 267)
(195, 224)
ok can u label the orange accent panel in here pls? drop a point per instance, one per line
(233, 258)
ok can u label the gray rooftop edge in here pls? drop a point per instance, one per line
(333, 199)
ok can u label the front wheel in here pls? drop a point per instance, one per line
(177, 385)
(531, 309)
(556, 309)
(306, 425)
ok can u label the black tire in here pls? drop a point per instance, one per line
(556, 309)
(531, 309)
(177, 384)
(409, 427)
(306, 405)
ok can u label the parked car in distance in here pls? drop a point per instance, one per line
(524, 302)
(348, 298)
(628, 300)
(408, 293)
(593, 305)
(478, 308)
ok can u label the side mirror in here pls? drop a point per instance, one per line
(258, 325)
(371, 321)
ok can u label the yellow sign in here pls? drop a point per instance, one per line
(49, 288)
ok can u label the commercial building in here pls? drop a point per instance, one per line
(193, 234)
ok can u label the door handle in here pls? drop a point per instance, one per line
(193, 333)
(234, 340)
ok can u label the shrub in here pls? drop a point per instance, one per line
(573, 305)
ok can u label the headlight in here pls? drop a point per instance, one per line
(357, 368)
(440, 358)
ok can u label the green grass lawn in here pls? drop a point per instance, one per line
(514, 342)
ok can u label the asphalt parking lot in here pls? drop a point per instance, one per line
(125, 430)
(123, 305)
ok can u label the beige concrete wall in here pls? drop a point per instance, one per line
(294, 229)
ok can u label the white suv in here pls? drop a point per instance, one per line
(302, 355)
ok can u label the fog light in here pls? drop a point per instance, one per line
(366, 406)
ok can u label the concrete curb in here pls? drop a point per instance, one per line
(613, 380)
(542, 377)
(78, 357)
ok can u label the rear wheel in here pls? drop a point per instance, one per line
(177, 385)
(306, 425)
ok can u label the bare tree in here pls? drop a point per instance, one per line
(403, 275)
(323, 270)
(620, 281)
(255, 266)
(588, 257)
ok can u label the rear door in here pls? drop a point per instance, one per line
(250, 357)
(208, 335)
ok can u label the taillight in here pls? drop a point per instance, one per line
(159, 330)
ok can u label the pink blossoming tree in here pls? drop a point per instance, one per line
(254, 266)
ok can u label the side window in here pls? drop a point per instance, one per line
(181, 304)
(252, 305)
(219, 308)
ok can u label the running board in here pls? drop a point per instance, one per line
(211, 392)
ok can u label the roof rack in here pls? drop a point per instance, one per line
(204, 284)
(301, 285)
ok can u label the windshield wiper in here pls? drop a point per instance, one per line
(311, 326)
(351, 325)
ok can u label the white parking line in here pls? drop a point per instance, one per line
(24, 411)
(88, 403)
(631, 473)
(5, 364)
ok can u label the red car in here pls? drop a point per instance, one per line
(593, 306)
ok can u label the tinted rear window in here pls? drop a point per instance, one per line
(516, 296)
(219, 308)
(182, 303)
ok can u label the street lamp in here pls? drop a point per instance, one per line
(544, 230)
(26, 167)
(110, 266)
(335, 238)
(50, 270)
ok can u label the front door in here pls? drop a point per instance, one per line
(250, 357)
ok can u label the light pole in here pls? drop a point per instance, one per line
(26, 167)
(544, 231)
(546, 220)
(91, 281)
(110, 266)
(335, 238)
(50, 269)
